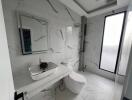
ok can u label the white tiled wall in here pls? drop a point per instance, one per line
(57, 21)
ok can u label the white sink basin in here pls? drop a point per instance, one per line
(37, 73)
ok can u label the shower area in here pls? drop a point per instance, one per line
(104, 52)
(106, 60)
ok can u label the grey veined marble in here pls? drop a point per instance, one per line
(97, 88)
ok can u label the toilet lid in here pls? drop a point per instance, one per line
(77, 77)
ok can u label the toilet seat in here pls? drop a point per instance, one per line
(77, 77)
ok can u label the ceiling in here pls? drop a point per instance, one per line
(92, 8)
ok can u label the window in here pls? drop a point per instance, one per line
(111, 41)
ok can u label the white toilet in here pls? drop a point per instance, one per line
(74, 82)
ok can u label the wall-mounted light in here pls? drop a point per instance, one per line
(69, 29)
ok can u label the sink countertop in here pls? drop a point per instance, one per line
(33, 87)
(35, 69)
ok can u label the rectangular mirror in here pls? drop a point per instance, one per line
(33, 33)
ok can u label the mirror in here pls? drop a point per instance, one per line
(33, 33)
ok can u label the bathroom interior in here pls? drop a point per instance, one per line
(68, 49)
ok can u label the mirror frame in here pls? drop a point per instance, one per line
(19, 26)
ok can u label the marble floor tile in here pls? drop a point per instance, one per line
(97, 88)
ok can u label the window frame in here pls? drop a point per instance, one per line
(120, 42)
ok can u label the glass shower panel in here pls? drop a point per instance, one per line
(125, 48)
(123, 63)
(111, 40)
